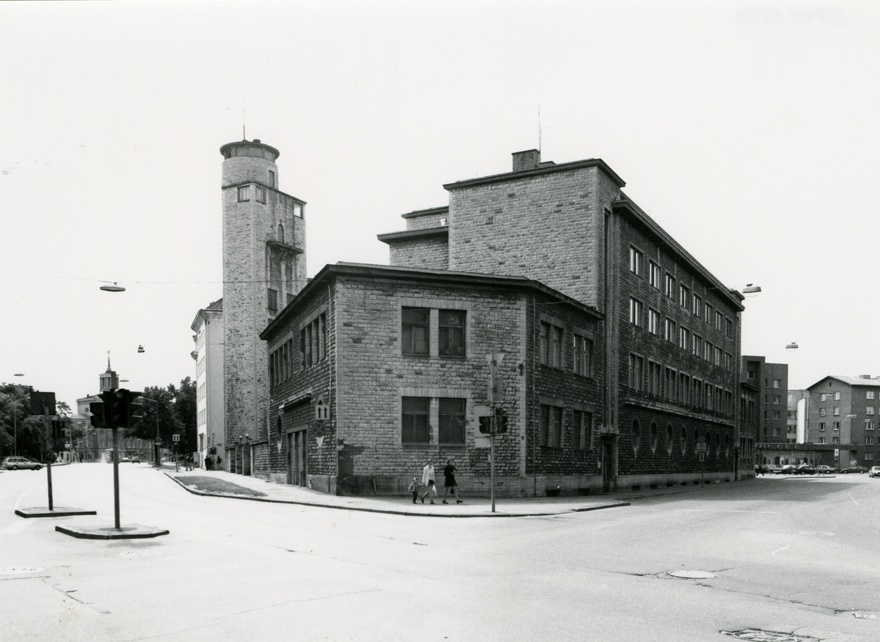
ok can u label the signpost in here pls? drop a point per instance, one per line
(495, 394)
(701, 454)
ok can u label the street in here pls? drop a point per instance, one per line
(794, 555)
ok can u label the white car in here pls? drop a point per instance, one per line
(874, 472)
(14, 463)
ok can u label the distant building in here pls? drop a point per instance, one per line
(96, 444)
(843, 418)
(210, 380)
(771, 380)
(548, 263)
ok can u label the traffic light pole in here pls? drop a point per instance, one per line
(116, 476)
(49, 464)
(492, 458)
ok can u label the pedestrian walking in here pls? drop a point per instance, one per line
(189, 462)
(428, 481)
(449, 482)
(414, 489)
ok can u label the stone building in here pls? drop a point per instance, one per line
(207, 327)
(664, 341)
(264, 266)
(376, 370)
(842, 421)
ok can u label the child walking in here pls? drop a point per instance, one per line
(414, 489)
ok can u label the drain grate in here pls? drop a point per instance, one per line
(759, 635)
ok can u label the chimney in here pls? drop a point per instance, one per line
(523, 161)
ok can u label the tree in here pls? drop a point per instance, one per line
(155, 401)
(14, 408)
(186, 409)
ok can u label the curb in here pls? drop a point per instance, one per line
(390, 511)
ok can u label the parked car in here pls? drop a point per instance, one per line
(14, 463)
(770, 469)
(822, 469)
(874, 472)
(804, 469)
(788, 469)
(854, 469)
(135, 459)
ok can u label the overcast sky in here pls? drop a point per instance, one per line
(747, 130)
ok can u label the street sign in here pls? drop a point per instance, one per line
(702, 456)
(175, 437)
(322, 410)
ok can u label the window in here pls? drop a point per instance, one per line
(273, 300)
(582, 429)
(583, 356)
(683, 438)
(698, 306)
(835, 425)
(697, 347)
(636, 376)
(244, 193)
(719, 320)
(836, 411)
(835, 440)
(669, 330)
(869, 456)
(709, 313)
(869, 424)
(777, 414)
(728, 324)
(869, 394)
(869, 410)
(836, 394)
(684, 296)
(777, 398)
(654, 381)
(698, 394)
(655, 437)
(684, 388)
(635, 261)
(261, 194)
(684, 338)
(654, 275)
(824, 396)
(653, 321)
(415, 331)
(669, 438)
(717, 353)
(271, 179)
(550, 345)
(821, 412)
(777, 383)
(414, 420)
(707, 351)
(821, 426)
(451, 339)
(669, 379)
(636, 434)
(670, 286)
(279, 233)
(635, 312)
(869, 441)
(551, 426)
(821, 440)
(313, 341)
(728, 361)
(452, 421)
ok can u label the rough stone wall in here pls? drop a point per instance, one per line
(546, 227)
(430, 253)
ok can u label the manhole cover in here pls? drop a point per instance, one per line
(20, 570)
(692, 575)
(757, 635)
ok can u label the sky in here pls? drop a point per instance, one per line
(747, 130)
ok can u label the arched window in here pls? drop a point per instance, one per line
(280, 233)
(669, 438)
(655, 437)
(684, 440)
(636, 435)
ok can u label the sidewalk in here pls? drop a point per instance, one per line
(472, 506)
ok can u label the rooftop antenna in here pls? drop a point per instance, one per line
(539, 128)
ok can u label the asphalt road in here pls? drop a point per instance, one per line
(793, 555)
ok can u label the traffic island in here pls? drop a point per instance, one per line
(52, 512)
(135, 531)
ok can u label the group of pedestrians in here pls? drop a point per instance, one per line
(428, 481)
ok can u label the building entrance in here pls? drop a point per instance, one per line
(297, 461)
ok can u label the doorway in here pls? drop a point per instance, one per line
(607, 463)
(297, 459)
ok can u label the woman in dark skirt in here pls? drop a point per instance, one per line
(449, 481)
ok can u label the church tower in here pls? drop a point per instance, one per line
(108, 380)
(264, 266)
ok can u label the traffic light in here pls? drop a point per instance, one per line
(485, 425)
(97, 410)
(58, 436)
(115, 408)
(135, 408)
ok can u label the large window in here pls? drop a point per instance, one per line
(669, 286)
(684, 338)
(684, 296)
(636, 375)
(244, 193)
(698, 306)
(583, 356)
(452, 421)
(551, 426)
(653, 321)
(313, 341)
(635, 261)
(414, 420)
(581, 429)
(669, 330)
(550, 345)
(635, 312)
(415, 330)
(452, 333)
(654, 275)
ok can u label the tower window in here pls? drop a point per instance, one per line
(273, 300)
(271, 179)
(280, 233)
(244, 193)
(261, 194)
